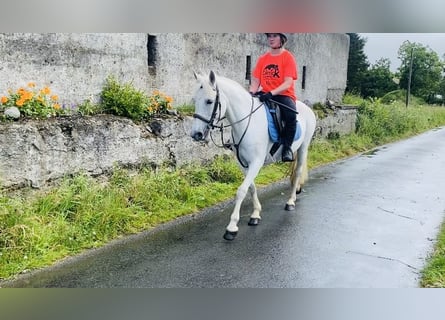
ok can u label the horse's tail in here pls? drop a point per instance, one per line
(304, 174)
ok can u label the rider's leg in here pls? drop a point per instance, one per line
(289, 117)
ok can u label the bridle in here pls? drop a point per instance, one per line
(212, 125)
(210, 122)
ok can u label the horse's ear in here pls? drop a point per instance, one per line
(212, 78)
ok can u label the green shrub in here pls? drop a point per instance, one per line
(352, 99)
(127, 101)
(88, 108)
(123, 100)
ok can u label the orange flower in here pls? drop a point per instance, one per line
(54, 98)
(46, 90)
(27, 95)
(4, 99)
(57, 106)
(19, 102)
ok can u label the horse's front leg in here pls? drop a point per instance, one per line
(232, 228)
(255, 216)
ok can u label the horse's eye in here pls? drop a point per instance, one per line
(209, 101)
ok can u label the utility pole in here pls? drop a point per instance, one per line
(408, 91)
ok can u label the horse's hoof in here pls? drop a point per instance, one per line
(254, 221)
(289, 207)
(229, 235)
(299, 190)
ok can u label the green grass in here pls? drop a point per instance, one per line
(38, 228)
(434, 274)
(186, 109)
(81, 213)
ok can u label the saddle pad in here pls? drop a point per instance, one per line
(273, 131)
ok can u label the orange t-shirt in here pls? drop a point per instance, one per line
(271, 71)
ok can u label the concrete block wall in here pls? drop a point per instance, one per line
(323, 57)
(76, 65)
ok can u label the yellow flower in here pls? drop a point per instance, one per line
(4, 99)
(19, 102)
(56, 106)
(54, 98)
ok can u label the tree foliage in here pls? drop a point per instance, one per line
(378, 80)
(427, 69)
(421, 69)
(357, 63)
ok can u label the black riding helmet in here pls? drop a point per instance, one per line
(283, 37)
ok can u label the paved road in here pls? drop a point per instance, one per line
(368, 221)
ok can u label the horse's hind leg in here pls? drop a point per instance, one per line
(255, 216)
(298, 177)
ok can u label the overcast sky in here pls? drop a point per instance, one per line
(386, 45)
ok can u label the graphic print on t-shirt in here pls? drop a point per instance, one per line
(271, 71)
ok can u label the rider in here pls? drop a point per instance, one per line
(275, 74)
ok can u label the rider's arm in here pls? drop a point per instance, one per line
(254, 85)
(288, 82)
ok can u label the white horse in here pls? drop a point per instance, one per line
(217, 98)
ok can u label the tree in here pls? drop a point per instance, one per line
(357, 63)
(378, 80)
(426, 74)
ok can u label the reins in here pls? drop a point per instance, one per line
(211, 125)
(283, 105)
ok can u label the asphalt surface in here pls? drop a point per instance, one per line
(365, 222)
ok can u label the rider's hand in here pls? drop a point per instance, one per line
(265, 96)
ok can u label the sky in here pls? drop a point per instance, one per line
(386, 45)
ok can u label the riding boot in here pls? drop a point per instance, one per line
(287, 154)
(289, 134)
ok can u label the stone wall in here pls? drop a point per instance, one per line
(340, 120)
(75, 67)
(35, 152)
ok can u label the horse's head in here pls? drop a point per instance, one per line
(208, 109)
